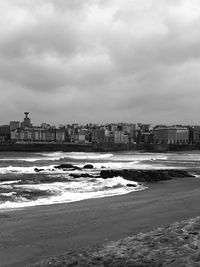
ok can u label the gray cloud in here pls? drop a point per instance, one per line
(100, 61)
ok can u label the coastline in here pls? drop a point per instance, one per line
(94, 147)
(36, 233)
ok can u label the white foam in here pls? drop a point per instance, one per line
(139, 157)
(78, 155)
(10, 182)
(97, 166)
(75, 191)
(28, 170)
(129, 165)
(30, 159)
(8, 194)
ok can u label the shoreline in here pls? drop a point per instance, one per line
(36, 233)
(95, 147)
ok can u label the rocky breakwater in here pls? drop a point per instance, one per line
(145, 175)
(127, 174)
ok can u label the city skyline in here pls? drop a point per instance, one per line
(28, 116)
(100, 61)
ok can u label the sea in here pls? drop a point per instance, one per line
(21, 186)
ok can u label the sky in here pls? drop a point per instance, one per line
(100, 61)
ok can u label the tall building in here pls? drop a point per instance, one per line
(194, 134)
(27, 122)
(4, 132)
(171, 135)
(14, 125)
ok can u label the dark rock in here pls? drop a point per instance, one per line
(38, 170)
(193, 233)
(145, 175)
(79, 175)
(5, 179)
(131, 185)
(67, 166)
(88, 166)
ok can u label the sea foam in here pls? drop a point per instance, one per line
(74, 191)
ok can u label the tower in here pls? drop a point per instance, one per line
(26, 114)
(27, 121)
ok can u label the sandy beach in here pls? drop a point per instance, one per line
(36, 233)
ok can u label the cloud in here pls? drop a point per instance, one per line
(100, 61)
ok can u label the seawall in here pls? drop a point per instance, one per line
(37, 147)
(72, 147)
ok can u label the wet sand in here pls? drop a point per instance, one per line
(35, 233)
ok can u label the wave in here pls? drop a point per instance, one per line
(23, 170)
(59, 155)
(10, 182)
(67, 192)
(104, 157)
(49, 169)
(139, 157)
(110, 160)
(31, 159)
(77, 155)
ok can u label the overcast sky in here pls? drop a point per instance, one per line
(100, 61)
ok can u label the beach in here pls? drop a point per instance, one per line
(41, 232)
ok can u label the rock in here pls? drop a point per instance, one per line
(67, 166)
(131, 185)
(38, 170)
(145, 175)
(193, 233)
(80, 175)
(88, 166)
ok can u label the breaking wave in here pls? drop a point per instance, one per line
(42, 194)
(29, 179)
(77, 155)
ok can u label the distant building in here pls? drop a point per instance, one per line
(49, 135)
(14, 125)
(171, 135)
(147, 138)
(98, 135)
(60, 135)
(121, 137)
(4, 132)
(109, 138)
(27, 122)
(143, 127)
(194, 134)
(45, 125)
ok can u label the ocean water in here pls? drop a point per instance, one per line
(21, 186)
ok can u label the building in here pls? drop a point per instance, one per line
(171, 135)
(98, 135)
(48, 135)
(27, 122)
(4, 132)
(14, 125)
(194, 134)
(144, 127)
(60, 135)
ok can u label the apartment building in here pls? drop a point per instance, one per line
(171, 135)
